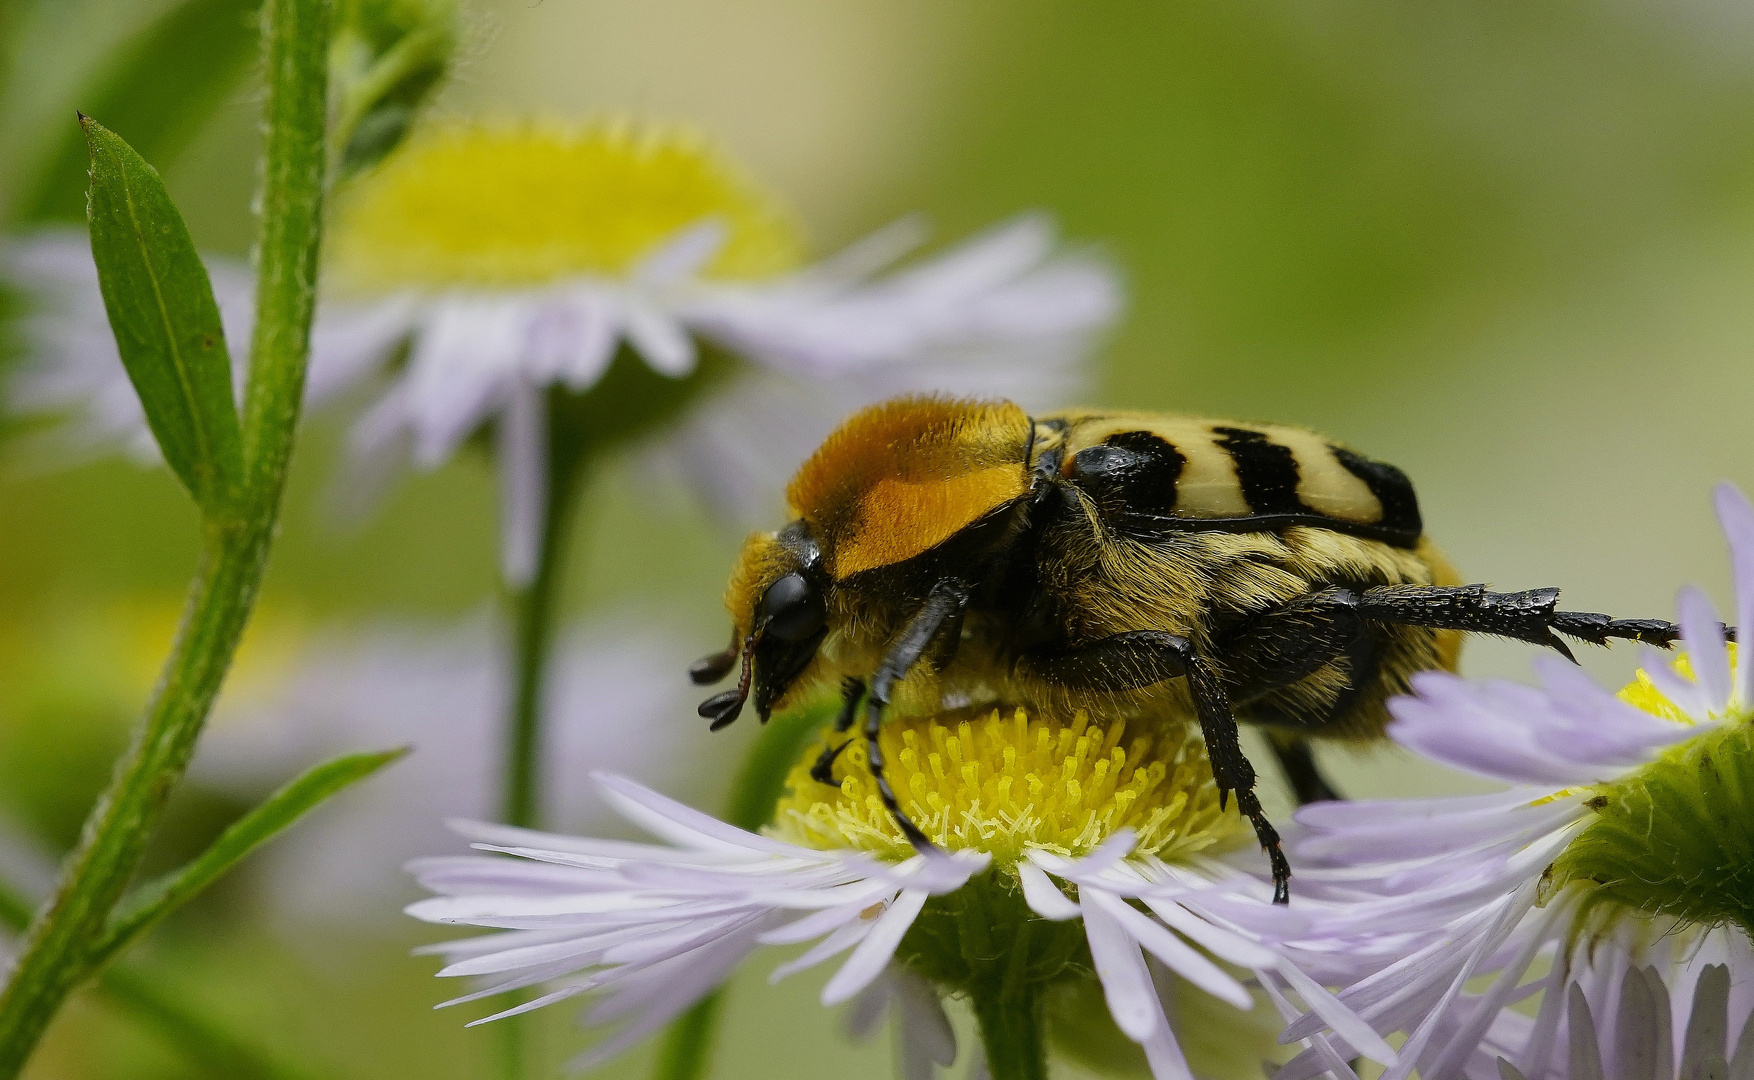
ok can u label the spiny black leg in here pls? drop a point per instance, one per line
(944, 605)
(1299, 766)
(851, 691)
(1231, 769)
(1530, 616)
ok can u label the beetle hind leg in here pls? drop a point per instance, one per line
(1532, 616)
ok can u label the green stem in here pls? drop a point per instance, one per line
(686, 1053)
(533, 621)
(57, 953)
(532, 612)
(296, 45)
(1010, 1021)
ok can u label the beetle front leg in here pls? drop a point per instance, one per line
(943, 607)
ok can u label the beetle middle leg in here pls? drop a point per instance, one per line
(1141, 658)
(852, 691)
(1279, 647)
(1299, 766)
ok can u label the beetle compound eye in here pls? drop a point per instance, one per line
(793, 609)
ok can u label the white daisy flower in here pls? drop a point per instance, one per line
(439, 690)
(1066, 849)
(498, 273)
(1628, 820)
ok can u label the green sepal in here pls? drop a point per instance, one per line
(158, 88)
(1670, 838)
(165, 320)
(150, 902)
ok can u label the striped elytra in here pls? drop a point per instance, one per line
(1156, 473)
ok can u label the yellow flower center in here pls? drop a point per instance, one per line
(475, 205)
(1643, 694)
(979, 779)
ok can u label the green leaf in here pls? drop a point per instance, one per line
(165, 320)
(152, 901)
(157, 90)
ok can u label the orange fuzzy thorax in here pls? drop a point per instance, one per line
(900, 477)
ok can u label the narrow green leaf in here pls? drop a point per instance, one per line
(165, 320)
(152, 901)
(156, 90)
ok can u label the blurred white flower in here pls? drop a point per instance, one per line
(71, 369)
(510, 260)
(616, 699)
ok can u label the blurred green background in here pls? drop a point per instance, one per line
(1506, 245)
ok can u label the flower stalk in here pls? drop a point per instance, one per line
(1010, 1022)
(62, 949)
(532, 612)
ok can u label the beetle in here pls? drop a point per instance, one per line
(1132, 564)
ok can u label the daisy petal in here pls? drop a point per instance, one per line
(1042, 895)
(875, 951)
(1704, 637)
(1125, 982)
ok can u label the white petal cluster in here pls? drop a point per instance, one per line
(1620, 1017)
(653, 928)
(1433, 894)
(658, 927)
(1226, 911)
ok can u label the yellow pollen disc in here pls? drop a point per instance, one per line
(1643, 694)
(507, 206)
(1004, 782)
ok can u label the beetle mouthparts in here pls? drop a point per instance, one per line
(710, 669)
(723, 708)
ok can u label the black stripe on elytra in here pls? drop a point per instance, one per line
(1266, 471)
(1146, 526)
(1129, 473)
(1400, 507)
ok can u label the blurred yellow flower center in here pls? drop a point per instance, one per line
(987, 781)
(473, 205)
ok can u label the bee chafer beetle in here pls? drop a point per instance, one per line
(1132, 564)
